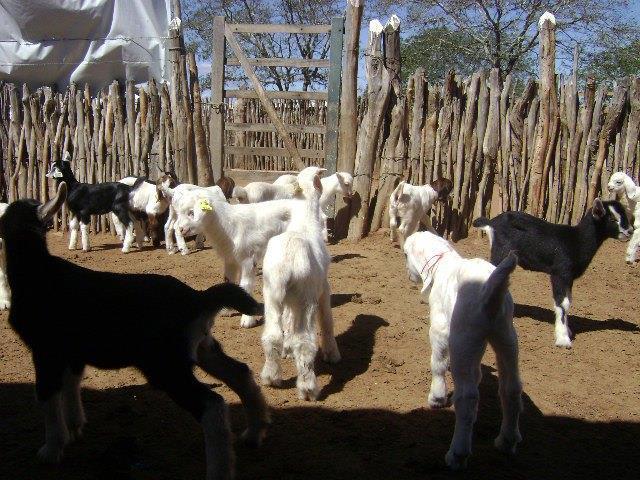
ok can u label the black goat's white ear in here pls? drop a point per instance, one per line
(49, 209)
(66, 157)
(598, 210)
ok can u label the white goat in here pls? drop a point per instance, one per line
(412, 204)
(470, 306)
(176, 196)
(339, 182)
(239, 233)
(255, 192)
(150, 200)
(621, 183)
(295, 291)
(5, 292)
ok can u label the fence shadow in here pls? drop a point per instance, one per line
(577, 323)
(135, 432)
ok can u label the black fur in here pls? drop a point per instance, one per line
(110, 320)
(85, 199)
(562, 251)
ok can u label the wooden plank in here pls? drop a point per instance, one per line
(242, 177)
(266, 103)
(277, 28)
(283, 62)
(277, 94)
(216, 118)
(333, 106)
(269, 127)
(273, 151)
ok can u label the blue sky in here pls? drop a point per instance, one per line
(204, 66)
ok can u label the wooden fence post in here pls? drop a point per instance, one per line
(378, 94)
(548, 109)
(348, 108)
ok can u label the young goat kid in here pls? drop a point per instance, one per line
(296, 291)
(621, 184)
(164, 333)
(148, 202)
(256, 192)
(562, 251)
(469, 306)
(177, 198)
(412, 205)
(87, 199)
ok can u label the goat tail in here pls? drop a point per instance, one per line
(240, 194)
(232, 296)
(497, 285)
(397, 192)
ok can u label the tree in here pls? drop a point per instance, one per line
(614, 61)
(506, 31)
(199, 14)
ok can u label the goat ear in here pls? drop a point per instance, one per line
(66, 157)
(317, 184)
(598, 210)
(49, 209)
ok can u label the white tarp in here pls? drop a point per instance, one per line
(47, 42)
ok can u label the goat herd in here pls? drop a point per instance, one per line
(283, 225)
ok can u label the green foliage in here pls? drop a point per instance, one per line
(615, 62)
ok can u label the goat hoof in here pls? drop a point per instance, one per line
(455, 462)
(563, 342)
(50, 454)
(126, 250)
(507, 446)
(437, 402)
(253, 437)
(331, 356)
(184, 251)
(5, 304)
(86, 249)
(308, 394)
(247, 321)
(270, 381)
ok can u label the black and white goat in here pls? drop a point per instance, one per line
(562, 251)
(87, 199)
(164, 333)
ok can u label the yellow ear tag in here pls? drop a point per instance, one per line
(205, 205)
(297, 189)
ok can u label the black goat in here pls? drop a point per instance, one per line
(87, 199)
(562, 251)
(154, 323)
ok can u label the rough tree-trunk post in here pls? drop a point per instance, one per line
(548, 108)
(393, 149)
(633, 127)
(205, 174)
(378, 93)
(348, 108)
(490, 145)
(608, 132)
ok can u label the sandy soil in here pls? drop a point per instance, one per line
(581, 407)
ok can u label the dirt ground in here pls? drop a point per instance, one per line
(581, 414)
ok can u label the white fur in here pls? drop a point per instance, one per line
(285, 179)
(339, 182)
(148, 199)
(411, 204)
(256, 192)
(176, 196)
(621, 184)
(295, 291)
(239, 233)
(460, 329)
(5, 292)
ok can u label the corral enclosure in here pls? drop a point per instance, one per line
(542, 146)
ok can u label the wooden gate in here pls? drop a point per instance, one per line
(223, 35)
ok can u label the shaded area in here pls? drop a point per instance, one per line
(345, 256)
(136, 432)
(577, 324)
